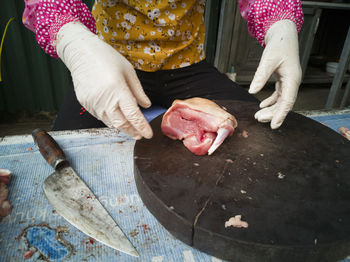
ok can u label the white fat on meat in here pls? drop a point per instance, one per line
(200, 123)
(345, 132)
(236, 222)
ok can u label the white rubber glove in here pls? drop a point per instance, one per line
(281, 56)
(105, 82)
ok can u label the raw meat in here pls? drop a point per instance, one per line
(200, 123)
(345, 132)
(5, 207)
(28, 254)
(3, 192)
(5, 175)
(236, 222)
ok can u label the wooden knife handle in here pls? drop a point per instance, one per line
(49, 149)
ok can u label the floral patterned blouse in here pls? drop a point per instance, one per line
(151, 34)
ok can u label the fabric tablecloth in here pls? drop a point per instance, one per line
(103, 158)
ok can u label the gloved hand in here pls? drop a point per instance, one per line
(105, 82)
(281, 57)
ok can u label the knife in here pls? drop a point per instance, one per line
(73, 200)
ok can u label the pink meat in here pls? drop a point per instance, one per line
(236, 222)
(345, 132)
(28, 254)
(3, 192)
(5, 176)
(5, 207)
(197, 121)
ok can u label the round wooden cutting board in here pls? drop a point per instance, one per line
(291, 185)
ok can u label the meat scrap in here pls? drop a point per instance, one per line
(345, 132)
(28, 254)
(236, 222)
(5, 207)
(200, 123)
(5, 176)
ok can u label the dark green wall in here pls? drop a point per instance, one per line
(32, 80)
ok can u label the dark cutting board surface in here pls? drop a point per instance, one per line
(291, 185)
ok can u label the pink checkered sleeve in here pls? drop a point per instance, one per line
(262, 14)
(46, 17)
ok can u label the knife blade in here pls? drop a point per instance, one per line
(73, 200)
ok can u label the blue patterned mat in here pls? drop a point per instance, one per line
(103, 159)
